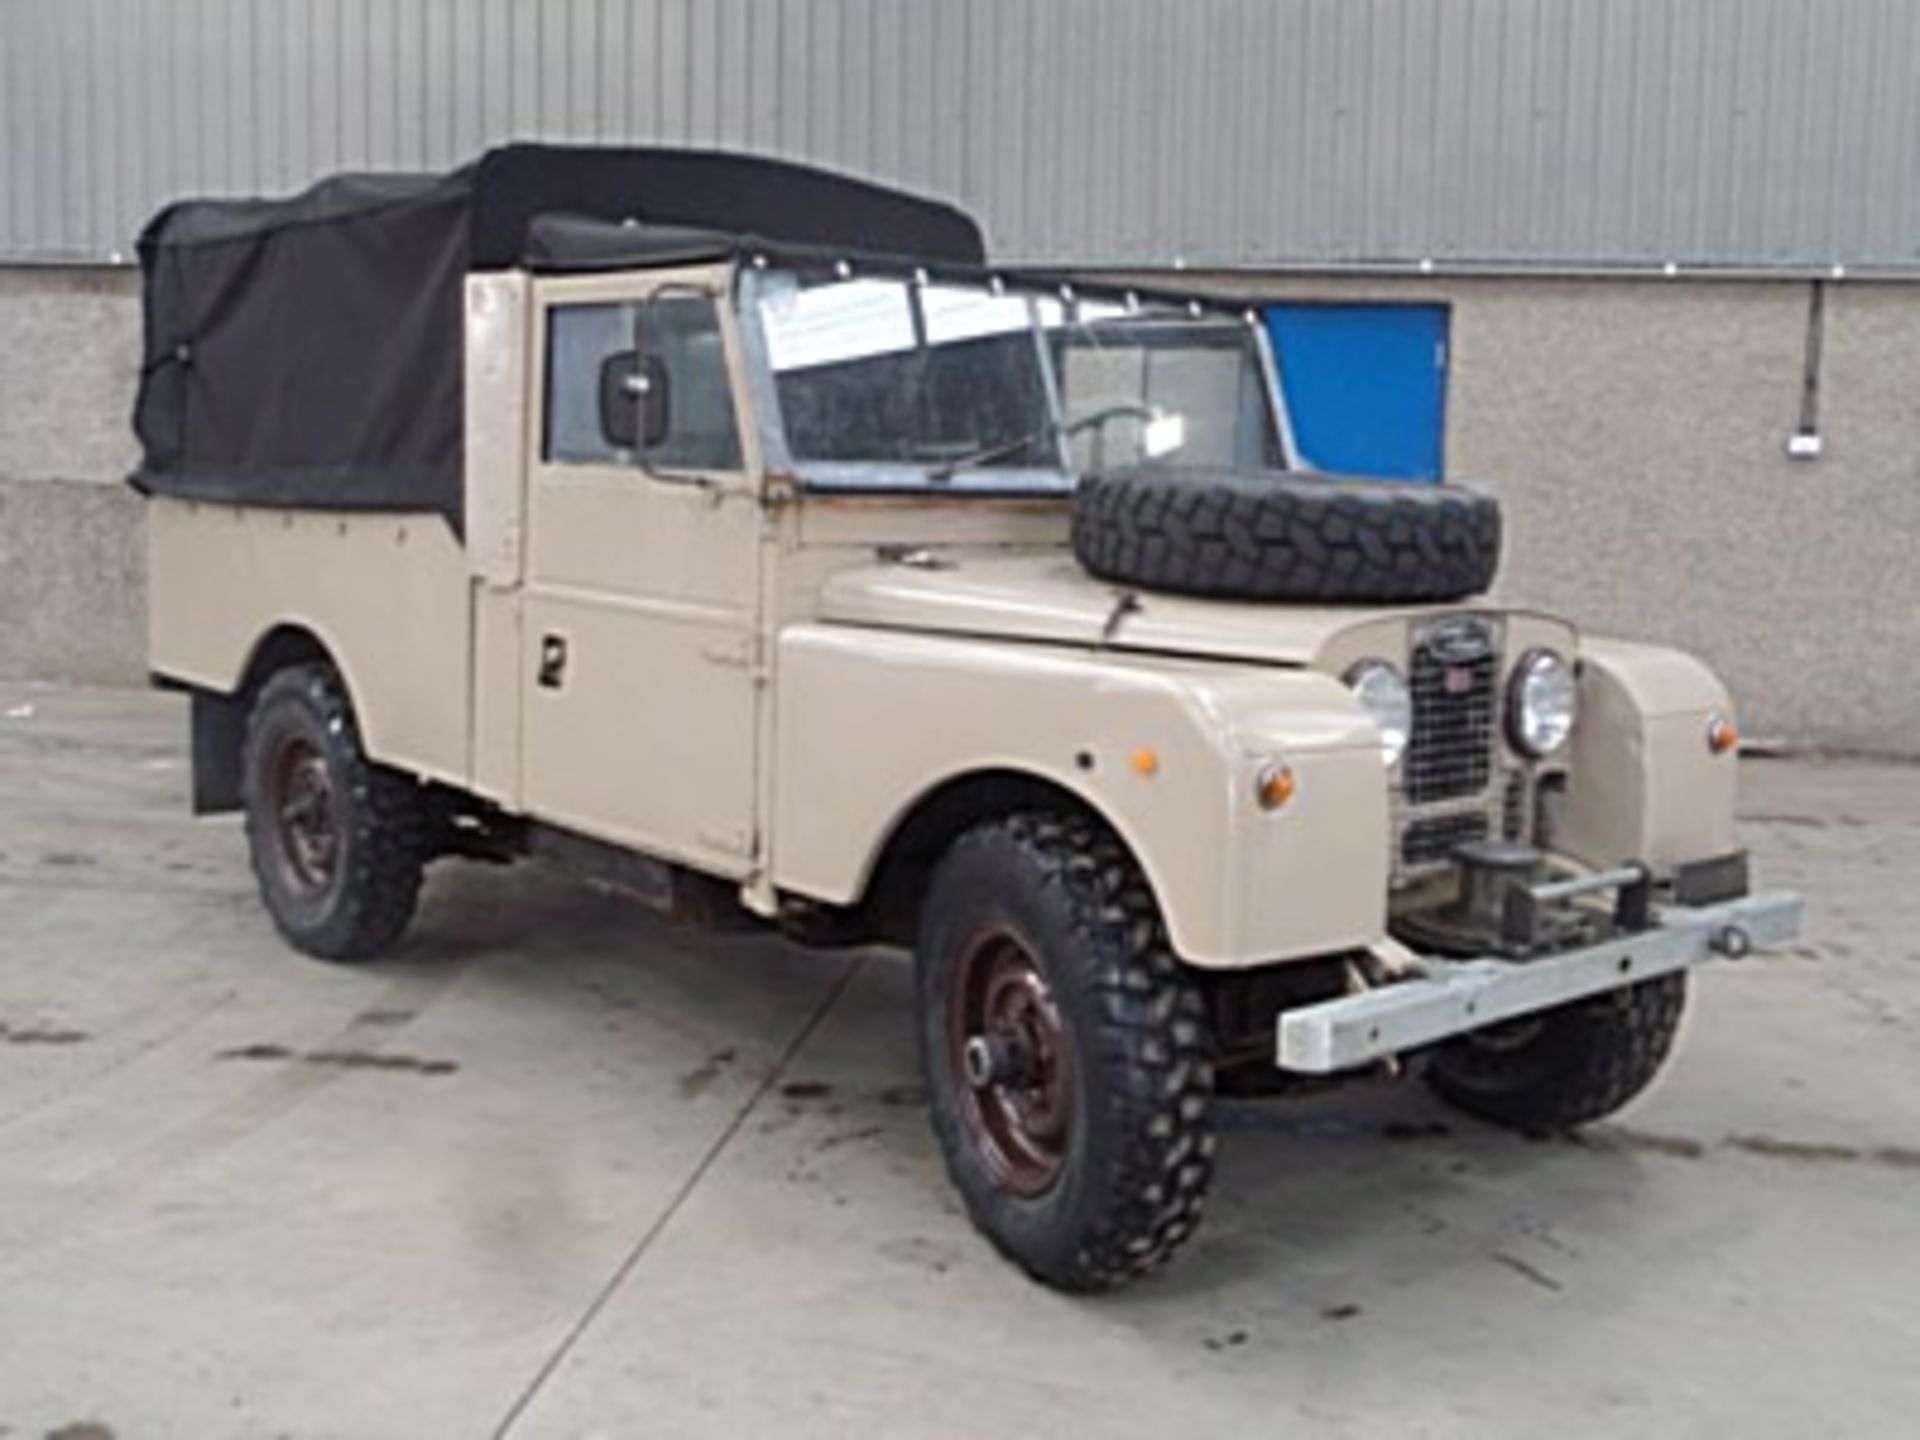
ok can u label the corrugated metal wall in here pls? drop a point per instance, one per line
(1765, 132)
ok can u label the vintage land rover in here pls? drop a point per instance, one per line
(730, 531)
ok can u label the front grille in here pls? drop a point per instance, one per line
(1450, 754)
(1513, 806)
(1434, 839)
(1450, 791)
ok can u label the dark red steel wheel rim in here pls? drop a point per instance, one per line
(304, 807)
(1021, 1119)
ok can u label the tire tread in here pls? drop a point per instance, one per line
(1153, 1042)
(387, 840)
(1231, 534)
(1600, 1054)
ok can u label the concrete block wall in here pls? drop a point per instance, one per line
(72, 555)
(1637, 438)
(1635, 432)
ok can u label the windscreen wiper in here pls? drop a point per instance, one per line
(940, 474)
(1125, 410)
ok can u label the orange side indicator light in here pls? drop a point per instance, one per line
(1722, 737)
(1275, 786)
(1144, 761)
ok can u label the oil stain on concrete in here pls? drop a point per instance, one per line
(40, 1035)
(342, 1059)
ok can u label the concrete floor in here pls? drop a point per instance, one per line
(559, 1170)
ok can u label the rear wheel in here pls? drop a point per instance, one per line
(338, 843)
(1565, 1067)
(1067, 1055)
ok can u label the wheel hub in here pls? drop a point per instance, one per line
(999, 1058)
(1012, 1048)
(305, 807)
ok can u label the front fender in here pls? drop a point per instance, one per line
(870, 721)
(1643, 785)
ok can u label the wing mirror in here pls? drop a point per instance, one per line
(634, 400)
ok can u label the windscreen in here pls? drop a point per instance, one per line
(896, 382)
(1163, 387)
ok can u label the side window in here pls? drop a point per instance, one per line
(683, 334)
(683, 339)
(579, 339)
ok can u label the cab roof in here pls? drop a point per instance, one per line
(492, 205)
(306, 352)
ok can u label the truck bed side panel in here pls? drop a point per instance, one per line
(386, 594)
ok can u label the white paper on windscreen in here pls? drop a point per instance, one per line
(1092, 312)
(829, 324)
(955, 313)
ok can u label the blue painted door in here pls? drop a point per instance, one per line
(1366, 386)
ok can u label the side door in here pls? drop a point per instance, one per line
(641, 602)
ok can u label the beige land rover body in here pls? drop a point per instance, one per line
(540, 510)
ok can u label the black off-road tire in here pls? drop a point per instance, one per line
(1268, 535)
(1138, 1156)
(1573, 1065)
(365, 903)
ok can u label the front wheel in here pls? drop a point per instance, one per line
(1567, 1066)
(338, 842)
(1066, 1053)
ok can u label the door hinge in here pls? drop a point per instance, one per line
(734, 655)
(728, 842)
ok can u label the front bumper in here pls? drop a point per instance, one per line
(1443, 998)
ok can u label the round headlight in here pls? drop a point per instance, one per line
(1382, 693)
(1542, 701)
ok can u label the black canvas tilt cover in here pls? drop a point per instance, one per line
(307, 352)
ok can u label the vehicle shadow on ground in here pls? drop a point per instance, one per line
(1377, 1179)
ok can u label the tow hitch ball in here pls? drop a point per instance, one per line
(1732, 942)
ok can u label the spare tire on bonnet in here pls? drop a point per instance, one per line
(1273, 535)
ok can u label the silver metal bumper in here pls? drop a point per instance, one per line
(1448, 997)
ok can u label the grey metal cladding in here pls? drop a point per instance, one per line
(1227, 132)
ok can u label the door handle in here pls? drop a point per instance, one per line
(553, 661)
